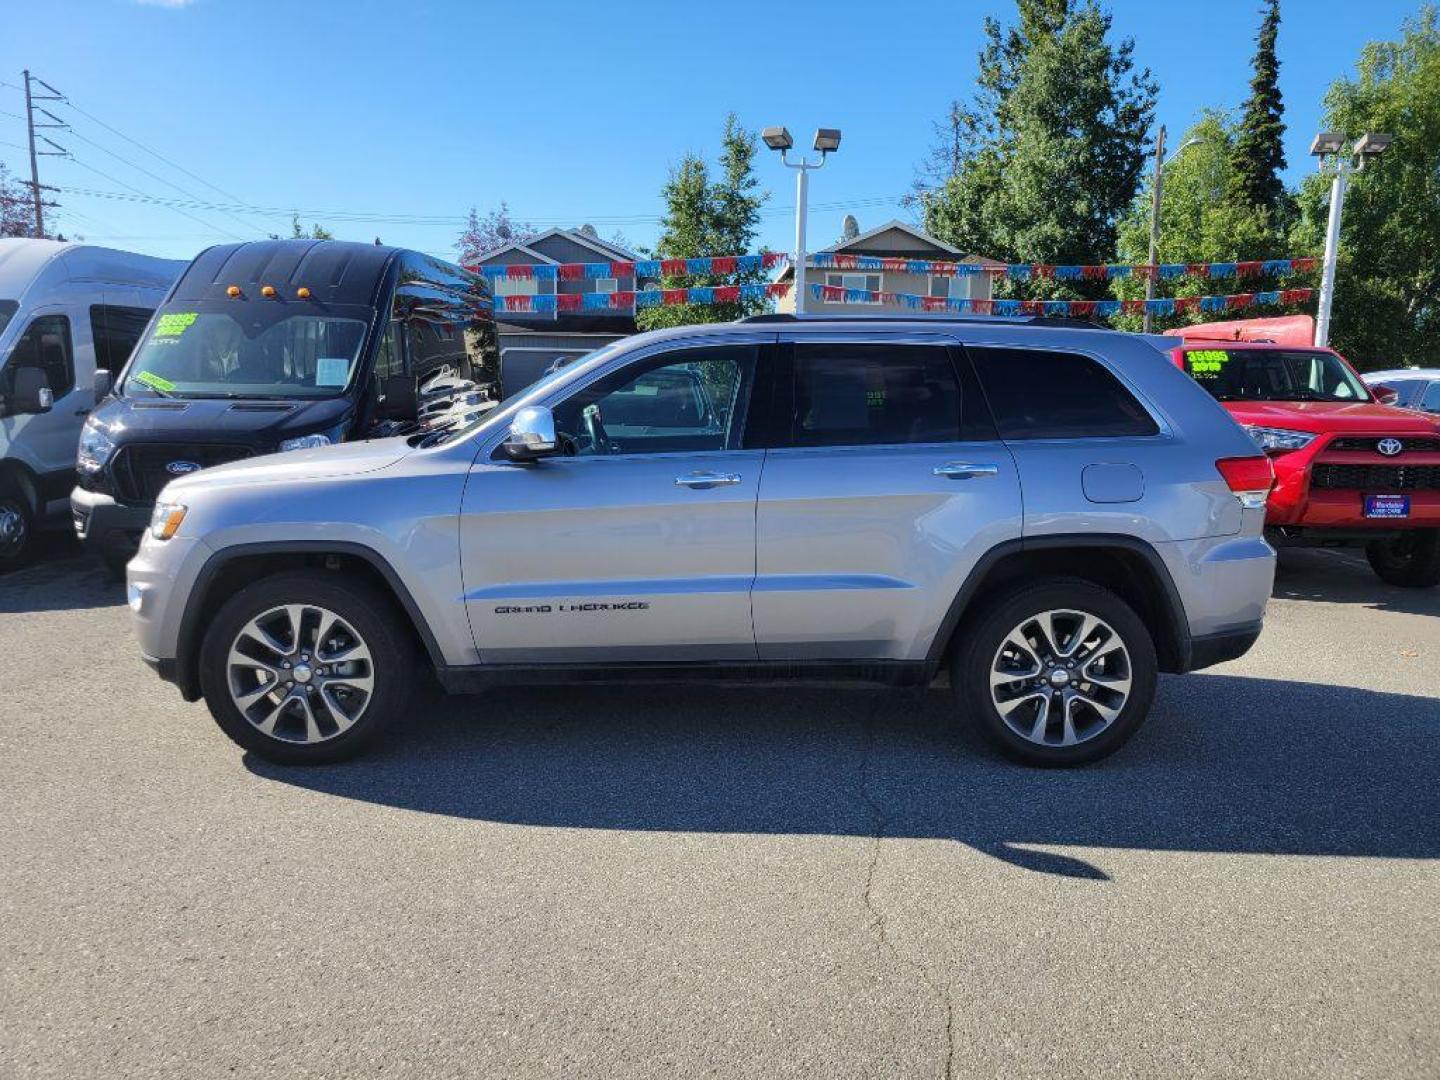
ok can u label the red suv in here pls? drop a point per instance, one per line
(1348, 469)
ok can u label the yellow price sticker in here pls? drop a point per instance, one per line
(1207, 362)
(175, 323)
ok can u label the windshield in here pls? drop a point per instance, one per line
(251, 349)
(7, 312)
(1274, 375)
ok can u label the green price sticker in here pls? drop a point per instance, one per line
(155, 382)
(1207, 363)
(175, 323)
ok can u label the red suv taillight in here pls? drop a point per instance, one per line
(1250, 478)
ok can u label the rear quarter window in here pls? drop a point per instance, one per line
(1042, 394)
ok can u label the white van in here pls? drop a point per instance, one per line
(65, 310)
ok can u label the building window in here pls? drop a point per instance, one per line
(516, 286)
(607, 285)
(868, 282)
(940, 285)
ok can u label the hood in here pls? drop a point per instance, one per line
(346, 459)
(259, 424)
(1323, 417)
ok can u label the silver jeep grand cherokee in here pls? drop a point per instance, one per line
(1054, 514)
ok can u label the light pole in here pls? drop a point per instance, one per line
(827, 141)
(1331, 144)
(1160, 162)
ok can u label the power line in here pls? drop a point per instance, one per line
(143, 197)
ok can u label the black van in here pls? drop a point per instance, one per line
(270, 346)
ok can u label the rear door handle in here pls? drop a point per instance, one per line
(964, 470)
(707, 479)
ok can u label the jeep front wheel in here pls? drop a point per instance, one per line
(1060, 672)
(303, 670)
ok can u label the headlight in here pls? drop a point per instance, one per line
(95, 448)
(306, 442)
(1278, 440)
(166, 520)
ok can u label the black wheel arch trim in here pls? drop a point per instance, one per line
(186, 665)
(1174, 607)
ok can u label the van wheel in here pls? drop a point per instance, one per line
(304, 669)
(17, 529)
(1059, 672)
(1411, 560)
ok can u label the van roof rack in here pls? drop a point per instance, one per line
(1059, 321)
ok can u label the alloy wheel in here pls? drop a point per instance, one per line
(1060, 677)
(13, 530)
(300, 673)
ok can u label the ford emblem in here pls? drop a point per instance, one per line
(180, 468)
(1389, 447)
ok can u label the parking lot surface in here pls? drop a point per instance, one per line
(662, 882)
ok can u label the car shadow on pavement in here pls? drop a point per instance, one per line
(1225, 764)
(62, 580)
(1344, 577)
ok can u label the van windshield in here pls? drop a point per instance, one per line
(251, 349)
(1274, 375)
(7, 312)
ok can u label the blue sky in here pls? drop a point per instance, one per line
(571, 112)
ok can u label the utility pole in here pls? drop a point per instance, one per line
(1154, 223)
(58, 151)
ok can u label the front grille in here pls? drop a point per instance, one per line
(1367, 443)
(139, 469)
(1377, 478)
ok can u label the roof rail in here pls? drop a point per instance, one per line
(1061, 321)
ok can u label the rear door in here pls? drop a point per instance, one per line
(640, 543)
(884, 485)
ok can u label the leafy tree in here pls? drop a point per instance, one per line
(317, 232)
(1258, 151)
(1049, 151)
(705, 217)
(485, 232)
(17, 210)
(1387, 292)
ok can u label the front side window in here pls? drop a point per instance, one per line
(873, 394)
(116, 330)
(44, 345)
(1430, 400)
(1037, 394)
(684, 401)
(246, 350)
(7, 312)
(1274, 375)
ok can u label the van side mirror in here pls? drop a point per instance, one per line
(1385, 395)
(31, 392)
(401, 398)
(532, 435)
(101, 384)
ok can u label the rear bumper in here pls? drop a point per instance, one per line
(1211, 649)
(105, 527)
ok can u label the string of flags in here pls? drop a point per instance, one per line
(550, 303)
(722, 265)
(1081, 308)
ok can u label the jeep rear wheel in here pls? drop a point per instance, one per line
(1060, 672)
(1411, 559)
(303, 669)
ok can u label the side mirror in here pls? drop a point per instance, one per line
(31, 392)
(1385, 395)
(401, 398)
(532, 434)
(101, 384)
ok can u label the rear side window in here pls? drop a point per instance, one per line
(1036, 394)
(874, 394)
(116, 330)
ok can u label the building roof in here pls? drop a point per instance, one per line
(951, 254)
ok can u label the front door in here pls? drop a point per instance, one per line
(638, 544)
(46, 441)
(889, 486)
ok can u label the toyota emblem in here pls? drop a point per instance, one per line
(180, 468)
(1389, 447)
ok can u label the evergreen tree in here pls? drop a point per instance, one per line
(1049, 151)
(1258, 157)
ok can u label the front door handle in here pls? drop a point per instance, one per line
(707, 479)
(964, 470)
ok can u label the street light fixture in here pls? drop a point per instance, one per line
(827, 141)
(1160, 162)
(1332, 145)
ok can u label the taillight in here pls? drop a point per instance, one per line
(1250, 478)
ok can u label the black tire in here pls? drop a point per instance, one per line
(1411, 560)
(381, 628)
(17, 528)
(978, 649)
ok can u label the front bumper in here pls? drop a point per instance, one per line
(105, 527)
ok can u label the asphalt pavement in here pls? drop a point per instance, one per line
(665, 882)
